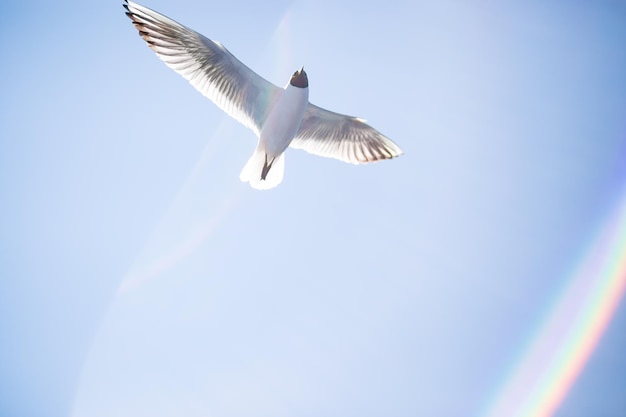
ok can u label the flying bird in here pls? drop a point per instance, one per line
(280, 117)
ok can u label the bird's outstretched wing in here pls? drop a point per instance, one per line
(346, 138)
(207, 65)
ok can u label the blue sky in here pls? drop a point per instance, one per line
(139, 277)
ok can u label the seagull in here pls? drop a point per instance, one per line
(280, 117)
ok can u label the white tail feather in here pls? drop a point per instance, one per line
(251, 172)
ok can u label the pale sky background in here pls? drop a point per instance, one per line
(139, 277)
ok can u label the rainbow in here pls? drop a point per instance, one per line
(574, 326)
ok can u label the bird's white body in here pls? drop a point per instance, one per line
(279, 129)
(284, 120)
(281, 118)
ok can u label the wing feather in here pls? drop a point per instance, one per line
(342, 137)
(208, 66)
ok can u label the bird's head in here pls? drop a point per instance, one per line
(299, 79)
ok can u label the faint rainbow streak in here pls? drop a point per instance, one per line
(572, 330)
(280, 47)
(180, 251)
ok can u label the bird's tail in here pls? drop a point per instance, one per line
(262, 171)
